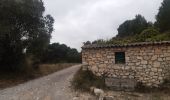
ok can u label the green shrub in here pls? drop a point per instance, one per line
(83, 80)
(162, 37)
(147, 35)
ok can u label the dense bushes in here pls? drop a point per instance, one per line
(132, 27)
(148, 34)
(163, 16)
(24, 31)
(140, 30)
(83, 80)
(58, 53)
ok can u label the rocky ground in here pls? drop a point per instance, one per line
(51, 87)
(57, 87)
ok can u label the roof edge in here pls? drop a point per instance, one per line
(95, 46)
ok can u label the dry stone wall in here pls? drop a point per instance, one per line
(147, 64)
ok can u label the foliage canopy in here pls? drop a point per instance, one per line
(132, 27)
(139, 30)
(23, 26)
(58, 53)
(163, 16)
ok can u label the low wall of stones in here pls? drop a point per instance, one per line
(147, 64)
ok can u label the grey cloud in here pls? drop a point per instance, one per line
(77, 21)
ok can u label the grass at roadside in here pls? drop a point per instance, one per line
(83, 80)
(46, 69)
(11, 79)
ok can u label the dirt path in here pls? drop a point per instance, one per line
(52, 87)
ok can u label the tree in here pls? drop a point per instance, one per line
(87, 43)
(23, 26)
(132, 27)
(57, 53)
(73, 56)
(163, 16)
(40, 43)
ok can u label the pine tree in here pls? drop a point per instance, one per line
(163, 16)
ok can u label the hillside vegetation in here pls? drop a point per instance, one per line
(25, 33)
(141, 30)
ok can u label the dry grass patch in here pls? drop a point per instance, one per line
(83, 80)
(9, 79)
(46, 69)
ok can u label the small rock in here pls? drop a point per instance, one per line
(96, 91)
(76, 98)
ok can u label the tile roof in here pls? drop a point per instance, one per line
(93, 46)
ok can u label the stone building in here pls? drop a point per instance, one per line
(145, 62)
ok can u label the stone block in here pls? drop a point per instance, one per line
(153, 80)
(157, 83)
(94, 68)
(131, 76)
(154, 57)
(154, 69)
(155, 77)
(138, 63)
(168, 51)
(144, 62)
(106, 62)
(166, 54)
(149, 84)
(156, 64)
(168, 47)
(150, 53)
(102, 66)
(112, 82)
(144, 66)
(131, 64)
(160, 70)
(168, 58)
(141, 78)
(151, 73)
(161, 55)
(120, 83)
(109, 57)
(160, 59)
(158, 51)
(160, 78)
(127, 58)
(124, 76)
(101, 70)
(128, 84)
(98, 55)
(139, 57)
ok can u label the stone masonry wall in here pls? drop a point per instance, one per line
(146, 64)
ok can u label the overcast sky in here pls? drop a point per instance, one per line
(77, 21)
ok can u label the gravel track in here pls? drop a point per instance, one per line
(52, 87)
